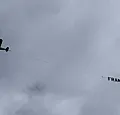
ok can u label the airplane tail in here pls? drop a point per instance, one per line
(7, 49)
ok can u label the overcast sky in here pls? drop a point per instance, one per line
(60, 50)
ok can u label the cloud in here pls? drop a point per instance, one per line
(80, 42)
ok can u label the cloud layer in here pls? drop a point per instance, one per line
(64, 45)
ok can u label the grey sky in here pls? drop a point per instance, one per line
(80, 41)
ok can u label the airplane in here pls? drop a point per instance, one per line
(1, 48)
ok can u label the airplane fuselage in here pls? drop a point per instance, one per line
(1, 48)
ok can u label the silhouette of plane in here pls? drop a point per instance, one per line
(1, 48)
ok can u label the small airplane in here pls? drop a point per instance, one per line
(1, 48)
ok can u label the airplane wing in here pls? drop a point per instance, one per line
(1, 42)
